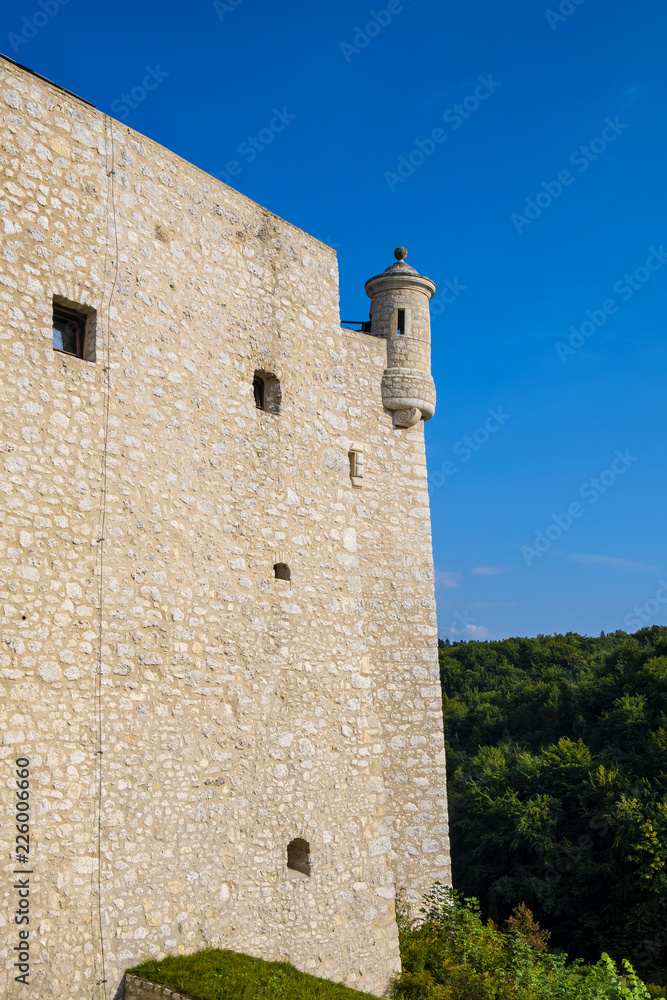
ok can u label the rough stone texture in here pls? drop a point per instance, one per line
(238, 711)
(142, 989)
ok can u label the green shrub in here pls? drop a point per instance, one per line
(450, 954)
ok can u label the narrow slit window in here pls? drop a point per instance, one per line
(281, 571)
(69, 331)
(298, 856)
(400, 325)
(258, 389)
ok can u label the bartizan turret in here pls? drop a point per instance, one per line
(400, 314)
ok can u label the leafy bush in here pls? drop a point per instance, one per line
(450, 954)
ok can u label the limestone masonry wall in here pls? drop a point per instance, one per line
(141, 989)
(238, 711)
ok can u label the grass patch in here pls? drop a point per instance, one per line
(228, 975)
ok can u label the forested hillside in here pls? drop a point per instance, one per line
(557, 759)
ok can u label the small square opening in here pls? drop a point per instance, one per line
(267, 392)
(298, 856)
(73, 330)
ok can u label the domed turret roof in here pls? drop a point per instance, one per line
(397, 272)
(400, 267)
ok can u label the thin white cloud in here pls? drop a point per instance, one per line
(467, 632)
(480, 633)
(448, 581)
(490, 570)
(629, 565)
(477, 632)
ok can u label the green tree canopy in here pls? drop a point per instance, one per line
(557, 758)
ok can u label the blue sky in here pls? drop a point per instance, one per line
(542, 203)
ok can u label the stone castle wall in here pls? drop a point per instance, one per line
(238, 711)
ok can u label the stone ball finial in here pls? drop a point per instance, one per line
(400, 253)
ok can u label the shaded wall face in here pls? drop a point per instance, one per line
(238, 711)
